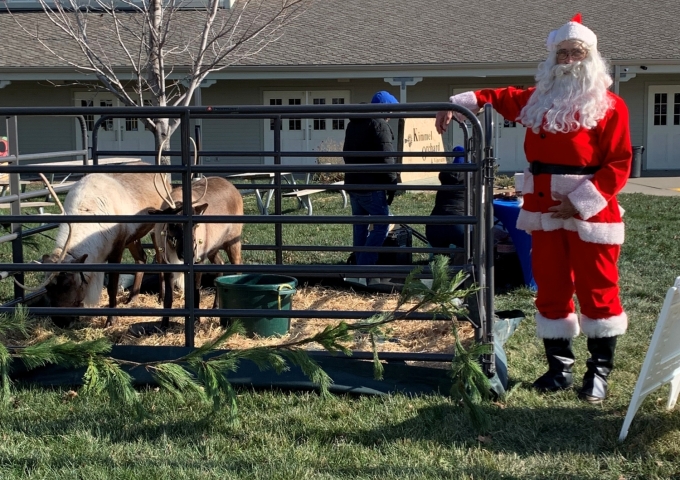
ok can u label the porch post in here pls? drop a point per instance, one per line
(403, 82)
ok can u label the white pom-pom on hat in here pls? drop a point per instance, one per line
(572, 30)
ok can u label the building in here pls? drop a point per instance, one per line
(343, 51)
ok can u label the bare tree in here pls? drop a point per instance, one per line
(161, 48)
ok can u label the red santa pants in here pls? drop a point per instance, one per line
(563, 264)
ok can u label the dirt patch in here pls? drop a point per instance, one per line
(401, 336)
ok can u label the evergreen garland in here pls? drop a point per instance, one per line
(205, 371)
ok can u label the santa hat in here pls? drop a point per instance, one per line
(572, 30)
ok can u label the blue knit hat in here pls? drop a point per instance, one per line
(458, 154)
(383, 97)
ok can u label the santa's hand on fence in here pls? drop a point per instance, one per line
(444, 117)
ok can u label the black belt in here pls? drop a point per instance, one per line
(537, 168)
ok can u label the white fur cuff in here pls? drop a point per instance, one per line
(560, 328)
(604, 327)
(587, 199)
(467, 100)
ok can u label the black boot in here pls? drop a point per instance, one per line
(599, 365)
(560, 360)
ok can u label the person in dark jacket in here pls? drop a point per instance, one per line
(448, 203)
(370, 135)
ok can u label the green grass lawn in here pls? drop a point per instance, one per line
(48, 434)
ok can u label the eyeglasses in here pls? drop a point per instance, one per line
(575, 53)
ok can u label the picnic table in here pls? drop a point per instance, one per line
(263, 203)
(303, 195)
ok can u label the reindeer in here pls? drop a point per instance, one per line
(101, 194)
(210, 196)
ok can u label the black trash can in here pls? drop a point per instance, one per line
(636, 167)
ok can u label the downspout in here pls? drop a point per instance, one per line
(617, 79)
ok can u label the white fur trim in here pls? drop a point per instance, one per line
(529, 221)
(528, 186)
(587, 199)
(549, 223)
(591, 232)
(604, 327)
(565, 184)
(467, 100)
(571, 31)
(560, 328)
(605, 233)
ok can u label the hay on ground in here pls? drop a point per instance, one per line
(401, 336)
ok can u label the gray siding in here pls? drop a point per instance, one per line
(633, 93)
(43, 134)
(39, 134)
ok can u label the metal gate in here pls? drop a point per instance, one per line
(478, 248)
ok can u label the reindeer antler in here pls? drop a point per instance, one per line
(62, 255)
(167, 197)
(53, 193)
(205, 190)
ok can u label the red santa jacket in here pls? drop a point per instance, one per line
(594, 196)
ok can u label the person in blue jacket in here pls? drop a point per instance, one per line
(370, 135)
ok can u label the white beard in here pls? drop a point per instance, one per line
(568, 97)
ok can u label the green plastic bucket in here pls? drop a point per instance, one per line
(253, 291)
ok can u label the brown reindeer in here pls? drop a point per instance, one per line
(210, 196)
(102, 194)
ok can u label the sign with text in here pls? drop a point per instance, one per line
(419, 135)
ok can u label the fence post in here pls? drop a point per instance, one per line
(187, 209)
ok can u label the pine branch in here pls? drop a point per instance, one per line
(378, 369)
(234, 328)
(104, 376)
(16, 322)
(205, 371)
(310, 368)
(176, 380)
(69, 353)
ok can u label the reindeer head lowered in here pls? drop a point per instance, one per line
(172, 234)
(65, 289)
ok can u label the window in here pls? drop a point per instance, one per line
(660, 105)
(89, 119)
(676, 109)
(319, 123)
(132, 124)
(108, 124)
(338, 123)
(274, 101)
(294, 123)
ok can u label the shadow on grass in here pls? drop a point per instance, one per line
(523, 431)
(529, 431)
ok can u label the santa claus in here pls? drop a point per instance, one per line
(579, 152)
